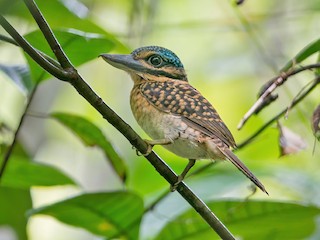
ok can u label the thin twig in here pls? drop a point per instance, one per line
(33, 53)
(12, 41)
(6, 157)
(276, 82)
(47, 32)
(8, 40)
(315, 82)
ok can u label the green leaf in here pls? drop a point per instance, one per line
(306, 52)
(13, 205)
(6, 6)
(22, 173)
(20, 75)
(91, 135)
(113, 215)
(79, 46)
(247, 220)
(58, 13)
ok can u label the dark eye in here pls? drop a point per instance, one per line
(155, 60)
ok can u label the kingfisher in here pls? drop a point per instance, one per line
(172, 112)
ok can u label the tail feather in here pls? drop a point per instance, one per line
(236, 161)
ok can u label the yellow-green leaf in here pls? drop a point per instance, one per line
(13, 205)
(79, 46)
(248, 221)
(306, 52)
(22, 173)
(115, 215)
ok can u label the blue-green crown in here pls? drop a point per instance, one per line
(165, 53)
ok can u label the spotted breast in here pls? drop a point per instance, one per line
(171, 110)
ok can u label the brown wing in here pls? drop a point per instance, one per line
(184, 100)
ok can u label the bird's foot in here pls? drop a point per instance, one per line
(152, 143)
(149, 149)
(175, 185)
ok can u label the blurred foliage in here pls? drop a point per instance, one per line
(229, 52)
(20, 75)
(239, 215)
(13, 206)
(113, 214)
(306, 52)
(91, 135)
(22, 173)
(80, 47)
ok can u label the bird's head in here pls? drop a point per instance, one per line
(150, 63)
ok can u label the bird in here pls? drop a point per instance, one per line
(174, 113)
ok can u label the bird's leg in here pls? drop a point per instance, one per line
(183, 174)
(151, 143)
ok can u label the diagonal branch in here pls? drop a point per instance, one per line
(8, 40)
(12, 41)
(32, 52)
(71, 75)
(48, 33)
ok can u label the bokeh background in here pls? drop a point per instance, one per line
(228, 51)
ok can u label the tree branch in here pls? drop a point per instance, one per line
(12, 41)
(8, 40)
(32, 52)
(70, 75)
(272, 85)
(296, 100)
(48, 34)
(84, 89)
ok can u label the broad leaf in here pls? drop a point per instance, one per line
(91, 135)
(115, 215)
(20, 75)
(306, 52)
(247, 220)
(7, 6)
(79, 46)
(21, 173)
(13, 205)
(59, 13)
